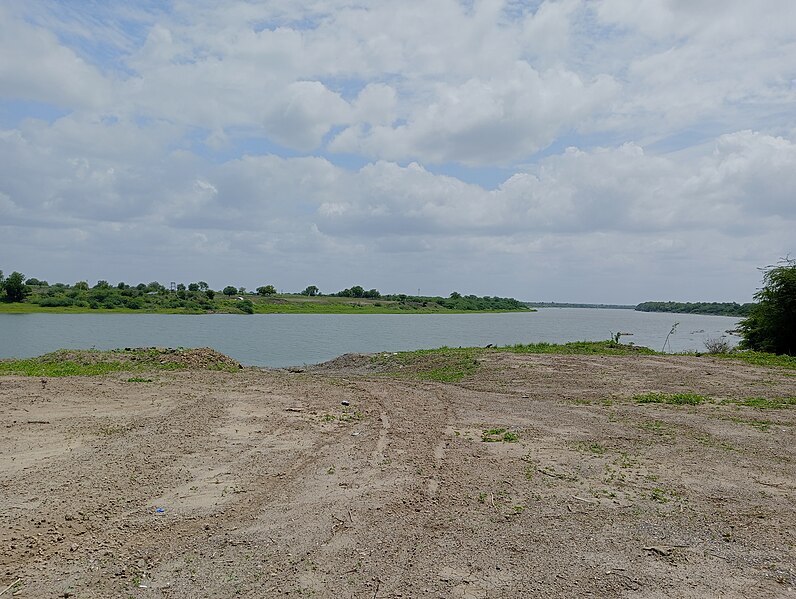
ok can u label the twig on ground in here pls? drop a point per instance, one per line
(350, 517)
(584, 500)
(378, 584)
(11, 586)
(492, 499)
(757, 480)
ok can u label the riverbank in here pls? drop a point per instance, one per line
(438, 473)
(253, 304)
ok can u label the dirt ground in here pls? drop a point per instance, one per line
(262, 483)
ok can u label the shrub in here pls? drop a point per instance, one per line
(771, 325)
(717, 346)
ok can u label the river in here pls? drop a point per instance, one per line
(294, 339)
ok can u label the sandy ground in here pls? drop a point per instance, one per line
(263, 484)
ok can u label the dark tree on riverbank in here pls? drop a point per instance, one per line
(771, 325)
(15, 287)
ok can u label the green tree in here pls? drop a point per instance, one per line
(81, 285)
(230, 290)
(311, 290)
(266, 290)
(203, 286)
(15, 287)
(193, 287)
(357, 291)
(456, 295)
(210, 293)
(771, 325)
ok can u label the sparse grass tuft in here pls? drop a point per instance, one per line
(764, 403)
(497, 435)
(95, 362)
(677, 399)
(760, 359)
(610, 348)
(444, 365)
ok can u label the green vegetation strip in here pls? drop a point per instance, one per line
(63, 363)
(678, 399)
(764, 403)
(452, 365)
(756, 358)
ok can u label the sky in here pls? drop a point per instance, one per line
(612, 151)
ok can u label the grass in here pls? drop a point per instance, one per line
(39, 367)
(453, 365)
(498, 435)
(677, 399)
(444, 365)
(764, 403)
(760, 359)
(607, 348)
(64, 363)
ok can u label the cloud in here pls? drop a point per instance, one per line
(35, 66)
(499, 141)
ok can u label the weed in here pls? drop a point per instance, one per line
(678, 399)
(659, 495)
(625, 460)
(761, 359)
(577, 348)
(761, 425)
(495, 435)
(710, 441)
(593, 447)
(765, 403)
(654, 426)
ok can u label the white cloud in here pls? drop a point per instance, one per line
(35, 66)
(175, 116)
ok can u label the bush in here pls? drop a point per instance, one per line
(717, 346)
(771, 325)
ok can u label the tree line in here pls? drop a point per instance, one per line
(199, 297)
(714, 308)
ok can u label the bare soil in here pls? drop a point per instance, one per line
(262, 483)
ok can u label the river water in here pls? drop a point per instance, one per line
(294, 339)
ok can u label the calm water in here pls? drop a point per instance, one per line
(291, 339)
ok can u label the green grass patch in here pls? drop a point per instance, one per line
(677, 399)
(64, 362)
(593, 447)
(39, 367)
(444, 365)
(761, 425)
(760, 359)
(609, 348)
(764, 403)
(498, 435)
